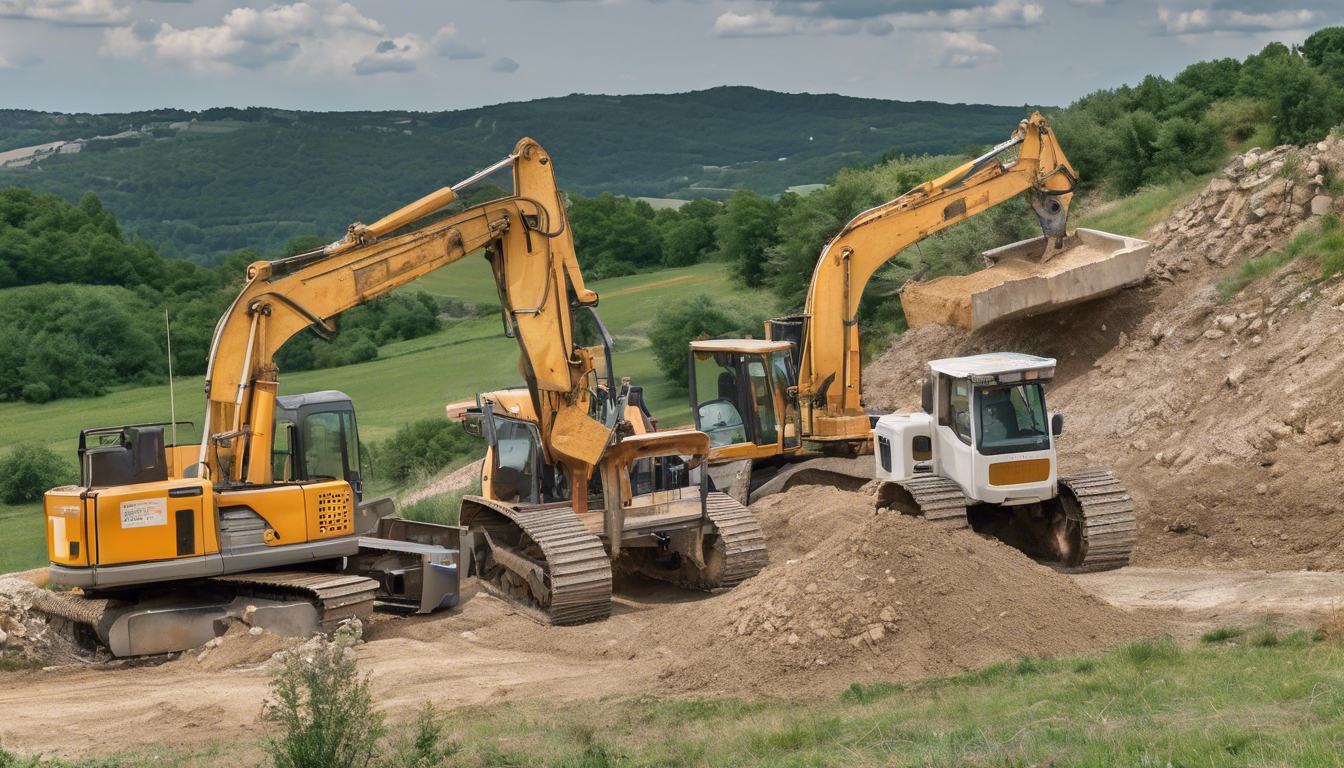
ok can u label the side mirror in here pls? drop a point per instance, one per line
(471, 423)
(1057, 424)
(926, 396)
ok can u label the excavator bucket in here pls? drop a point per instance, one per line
(1030, 277)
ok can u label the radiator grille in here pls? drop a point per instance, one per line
(335, 513)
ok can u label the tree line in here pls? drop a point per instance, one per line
(1118, 140)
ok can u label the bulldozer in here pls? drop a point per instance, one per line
(981, 454)
(789, 408)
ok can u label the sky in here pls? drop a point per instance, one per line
(431, 55)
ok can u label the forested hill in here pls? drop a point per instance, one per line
(201, 184)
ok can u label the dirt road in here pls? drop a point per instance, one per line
(1197, 600)
(485, 654)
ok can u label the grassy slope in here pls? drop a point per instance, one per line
(1137, 213)
(1268, 702)
(410, 380)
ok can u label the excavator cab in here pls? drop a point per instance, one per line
(743, 395)
(316, 438)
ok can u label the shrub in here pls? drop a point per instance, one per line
(322, 713)
(423, 447)
(30, 471)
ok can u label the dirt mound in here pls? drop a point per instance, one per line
(27, 638)
(1220, 416)
(884, 596)
(237, 647)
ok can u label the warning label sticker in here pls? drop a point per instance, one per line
(144, 513)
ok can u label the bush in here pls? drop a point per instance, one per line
(30, 471)
(323, 713)
(424, 447)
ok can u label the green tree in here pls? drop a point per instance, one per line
(31, 470)
(686, 241)
(747, 230)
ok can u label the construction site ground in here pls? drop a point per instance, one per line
(1220, 416)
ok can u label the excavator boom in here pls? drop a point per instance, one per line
(828, 364)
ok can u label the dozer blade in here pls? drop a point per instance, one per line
(1029, 278)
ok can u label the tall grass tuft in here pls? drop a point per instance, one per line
(444, 509)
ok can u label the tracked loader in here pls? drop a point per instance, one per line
(981, 454)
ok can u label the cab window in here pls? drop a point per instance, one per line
(781, 373)
(716, 387)
(955, 409)
(1012, 419)
(282, 453)
(515, 472)
(324, 446)
(767, 432)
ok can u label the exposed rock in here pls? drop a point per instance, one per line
(1321, 204)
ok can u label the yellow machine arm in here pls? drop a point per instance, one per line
(527, 239)
(828, 376)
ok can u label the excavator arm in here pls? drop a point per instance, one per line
(526, 236)
(828, 372)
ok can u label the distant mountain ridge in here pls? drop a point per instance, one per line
(197, 184)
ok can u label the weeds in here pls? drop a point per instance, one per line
(323, 713)
(1221, 635)
(427, 747)
(1145, 652)
(866, 694)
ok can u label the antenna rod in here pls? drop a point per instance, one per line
(172, 402)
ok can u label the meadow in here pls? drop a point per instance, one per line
(409, 380)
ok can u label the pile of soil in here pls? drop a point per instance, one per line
(26, 636)
(1220, 416)
(883, 596)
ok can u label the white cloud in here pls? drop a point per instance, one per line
(448, 43)
(762, 24)
(87, 13)
(964, 49)
(399, 55)
(773, 20)
(504, 64)
(316, 36)
(1201, 20)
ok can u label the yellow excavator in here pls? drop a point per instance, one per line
(265, 517)
(789, 409)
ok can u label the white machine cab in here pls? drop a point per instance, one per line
(984, 427)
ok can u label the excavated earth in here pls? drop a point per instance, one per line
(1220, 417)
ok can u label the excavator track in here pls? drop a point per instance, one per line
(935, 498)
(1098, 503)
(336, 596)
(742, 542)
(733, 551)
(542, 560)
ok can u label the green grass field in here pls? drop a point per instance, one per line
(410, 380)
(1265, 699)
